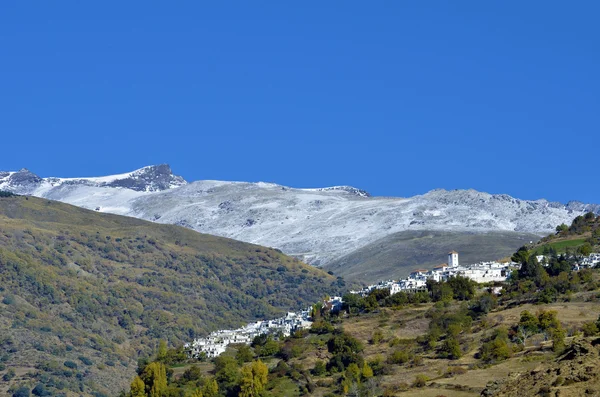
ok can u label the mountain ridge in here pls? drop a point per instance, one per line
(317, 225)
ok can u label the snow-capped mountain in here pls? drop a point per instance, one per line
(319, 225)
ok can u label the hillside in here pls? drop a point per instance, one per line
(84, 294)
(395, 256)
(582, 236)
(319, 225)
(455, 339)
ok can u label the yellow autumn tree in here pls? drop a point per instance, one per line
(155, 378)
(211, 388)
(254, 379)
(196, 393)
(138, 388)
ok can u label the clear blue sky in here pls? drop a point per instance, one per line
(394, 97)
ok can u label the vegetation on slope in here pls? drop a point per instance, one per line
(84, 294)
(450, 340)
(582, 237)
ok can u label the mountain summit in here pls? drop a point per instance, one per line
(317, 225)
(147, 179)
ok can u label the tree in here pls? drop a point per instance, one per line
(366, 372)
(227, 374)
(253, 380)
(531, 269)
(590, 328)
(138, 388)
(162, 350)
(562, 228)
(586, 249)
(244, 354)
(353, 372)
(210, 389)
(521, 255)
(529, 322)
(452, 348)
(197, 393)
(463, 288)
(558, 339)
(155, 378)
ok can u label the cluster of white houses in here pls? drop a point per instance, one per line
(586, 262)
(216, 343)
(482, 272)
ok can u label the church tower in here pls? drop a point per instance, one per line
(453, 259)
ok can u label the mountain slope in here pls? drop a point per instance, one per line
(98, 289)
(317, 225)
(396, 255)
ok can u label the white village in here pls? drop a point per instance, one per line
(483, 272)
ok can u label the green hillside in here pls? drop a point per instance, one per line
(582, 237)
(84, 294)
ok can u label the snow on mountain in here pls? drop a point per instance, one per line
(319, 225)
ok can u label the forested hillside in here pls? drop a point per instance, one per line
(83, 294)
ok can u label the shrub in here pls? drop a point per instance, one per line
(420, 380)
(399, 357)
(590, 328)
(85, 360)
(319, 368)
(21, 392)
(70, 364)
(453, 371)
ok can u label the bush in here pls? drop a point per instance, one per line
(9, 300)
(70, 364)
(420, 381)
(86, 360)
(590, 328)
(40, 390)
(399, 357)
(453, 371)
(319, 368)
(21, 391)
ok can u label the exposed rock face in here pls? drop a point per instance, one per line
(575, 373)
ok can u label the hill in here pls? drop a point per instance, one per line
(317, 225)
(455, 339)
(395, 256)
(84, 294)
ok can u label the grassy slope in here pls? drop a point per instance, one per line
(396, 256)
(79, 284)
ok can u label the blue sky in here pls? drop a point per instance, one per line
(394, 97)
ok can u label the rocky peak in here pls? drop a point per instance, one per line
(152, 178)
(347, 189)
